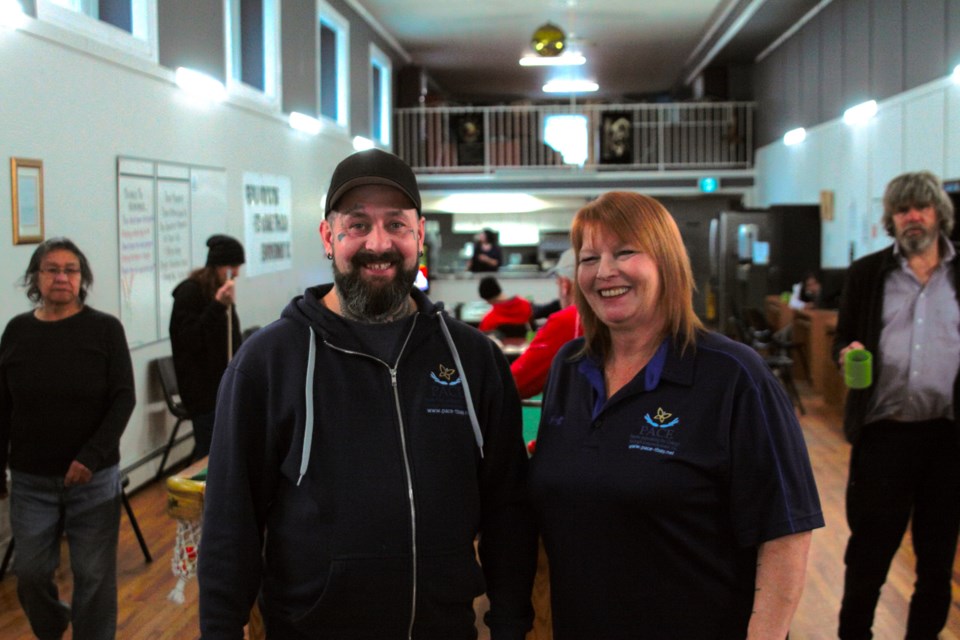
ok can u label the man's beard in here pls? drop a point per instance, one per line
(374, 302)
(913, 244)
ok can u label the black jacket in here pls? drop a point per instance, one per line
(350, 491)
(198, 338)
(861, 318)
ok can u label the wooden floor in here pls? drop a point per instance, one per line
(146, 613)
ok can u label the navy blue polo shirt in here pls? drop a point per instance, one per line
(652, 504)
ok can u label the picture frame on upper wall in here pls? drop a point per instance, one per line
(26, 178)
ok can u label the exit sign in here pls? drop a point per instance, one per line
(709, 185)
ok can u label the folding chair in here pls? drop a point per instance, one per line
(171, 393)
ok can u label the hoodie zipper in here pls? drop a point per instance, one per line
(406, 462)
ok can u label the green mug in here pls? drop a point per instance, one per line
(858, 369)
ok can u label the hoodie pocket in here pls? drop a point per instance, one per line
(448, 585)
(364, 598)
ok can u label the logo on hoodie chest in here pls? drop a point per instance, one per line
(445, 394)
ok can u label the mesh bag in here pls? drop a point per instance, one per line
(185, 505)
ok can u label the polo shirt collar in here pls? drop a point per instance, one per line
(666, 363)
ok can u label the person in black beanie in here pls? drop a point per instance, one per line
(202, 339)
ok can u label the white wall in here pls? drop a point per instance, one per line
(77, 112)
(916, 130)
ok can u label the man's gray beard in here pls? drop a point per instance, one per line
(913, 244)
(362, 301)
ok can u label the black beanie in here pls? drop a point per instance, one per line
(489, 288)
(224, 251)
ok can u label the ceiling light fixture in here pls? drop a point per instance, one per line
(565, 59)
(303, 122)
(200, 85)
(794, 136)
(11, 14)
(570, 86)
(548, 40)
(362, 144)
(860, 113)
(484, 202)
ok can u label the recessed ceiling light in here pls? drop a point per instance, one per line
(570, 86)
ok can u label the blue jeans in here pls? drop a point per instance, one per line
(41, 511)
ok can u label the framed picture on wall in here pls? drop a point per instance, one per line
(616, 138)
(467, 133)
(26, 178)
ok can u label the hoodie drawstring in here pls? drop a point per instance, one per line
(308, 396)
(466, 385)
(308, 400)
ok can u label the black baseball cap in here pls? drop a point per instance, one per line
(372, 166)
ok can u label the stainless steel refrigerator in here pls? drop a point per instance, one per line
(760, 252)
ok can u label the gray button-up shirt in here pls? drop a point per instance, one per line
(920, 343)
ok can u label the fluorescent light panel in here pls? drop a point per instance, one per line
(490, 203)
(562, 60)
(201, 85)
(570, 86)
(794, 136)
(860, 113)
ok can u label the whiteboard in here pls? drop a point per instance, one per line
(165, 213)
(136, 216)
(173, 243)
(208, 190)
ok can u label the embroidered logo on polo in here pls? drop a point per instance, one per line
(445, 395)
(656, 434)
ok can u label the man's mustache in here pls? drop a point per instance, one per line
(364, 257)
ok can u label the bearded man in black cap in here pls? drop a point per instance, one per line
(363, 443)
(201, 337)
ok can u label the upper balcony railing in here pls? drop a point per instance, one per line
(624, 137)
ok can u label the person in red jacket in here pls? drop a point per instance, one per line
(531, 368)
(515, 310)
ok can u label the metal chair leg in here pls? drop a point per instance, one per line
(166, 450)
(133, 520)
(6, 558)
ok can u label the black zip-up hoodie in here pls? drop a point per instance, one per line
(349, 491)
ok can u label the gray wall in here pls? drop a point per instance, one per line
(854, 50)
(78, 105)
(191, 34)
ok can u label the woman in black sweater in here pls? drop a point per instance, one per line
(200, 332)
(66, 393)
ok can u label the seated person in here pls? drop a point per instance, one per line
(505, 310)
(531, 368)
(807, 294)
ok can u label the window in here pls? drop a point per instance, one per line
(333, 33)
(381, 90)
(126, 25)
(252, 47)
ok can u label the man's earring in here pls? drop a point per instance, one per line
(420, 253)
(329, 256)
